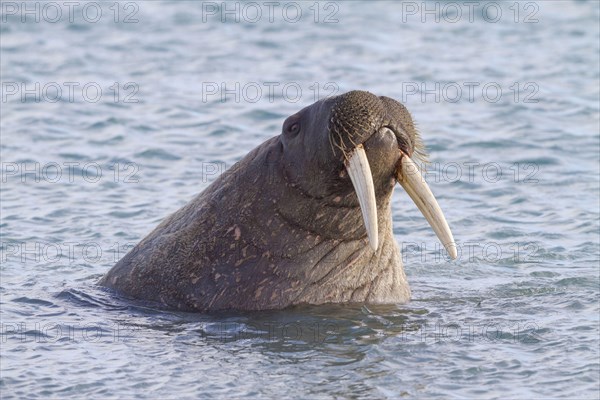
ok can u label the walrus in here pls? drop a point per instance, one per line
(304, 218)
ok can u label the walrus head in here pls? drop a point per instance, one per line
(354, 148)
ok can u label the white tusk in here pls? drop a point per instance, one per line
(409, 176)
(360, 174)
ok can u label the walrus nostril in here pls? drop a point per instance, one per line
(401, 138)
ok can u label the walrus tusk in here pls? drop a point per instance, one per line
(409, 176)
(360, 174)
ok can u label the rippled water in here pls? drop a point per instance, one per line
(516, 316)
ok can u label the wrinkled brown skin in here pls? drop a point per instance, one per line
(283, 226)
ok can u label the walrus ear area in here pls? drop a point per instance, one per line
(292, 126)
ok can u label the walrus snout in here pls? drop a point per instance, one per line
(382, 150)
(377, 138)
(357, 115)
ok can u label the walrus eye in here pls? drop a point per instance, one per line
(293, 129)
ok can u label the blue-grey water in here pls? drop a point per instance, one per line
(111, 121)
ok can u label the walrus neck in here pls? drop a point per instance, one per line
(335, 217)
(330, 217)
